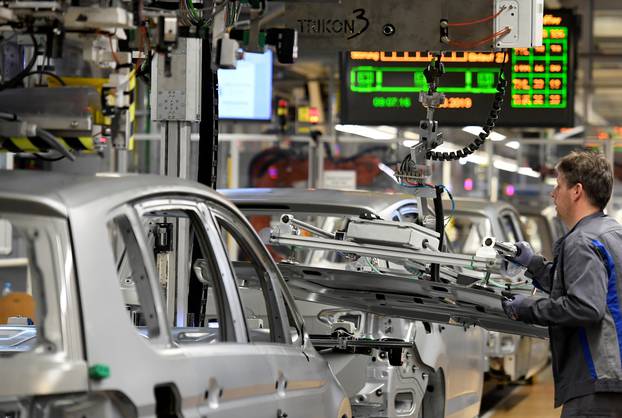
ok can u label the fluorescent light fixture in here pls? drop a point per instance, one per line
(412, 135)
(528, 171)
(388, 129)
(567, 133)
(408, 143)
(551, 181)
(477, 158)
(380, 133)
(475, 130)
(505, 165)
(513, 144)
(499, 163)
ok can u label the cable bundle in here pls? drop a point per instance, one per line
(486, 129)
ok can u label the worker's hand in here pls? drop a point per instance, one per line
(525, 254)
(512, 305)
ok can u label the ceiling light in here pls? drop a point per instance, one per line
(388, 129)
(505, 165)
(513, 144)
(475, 130)
(409, 143)
(569, 132)
(412, 135)
(478, 159)
(499, 163)
(380, 133)
(528, 171)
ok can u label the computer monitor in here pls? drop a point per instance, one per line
(246, 92)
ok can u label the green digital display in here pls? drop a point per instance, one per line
(392, 102)
(366, 79)
(382, 87)
(540, 75)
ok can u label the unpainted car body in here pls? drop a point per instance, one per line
(455, 354)
(510, 356)
(107, 335)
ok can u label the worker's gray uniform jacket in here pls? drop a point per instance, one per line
(583, 311)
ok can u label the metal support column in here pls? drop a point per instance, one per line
(446, 176)
(315, 159)
(321, 156)
(176, 104)
(493, 175)
(175, 162)
(118, 160)
(175, 150)
(233, 178)
(7, 161)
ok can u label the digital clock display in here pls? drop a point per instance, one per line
(382, 88)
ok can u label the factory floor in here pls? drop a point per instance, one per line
(527, 401)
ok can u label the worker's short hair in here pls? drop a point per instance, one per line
(593, 171)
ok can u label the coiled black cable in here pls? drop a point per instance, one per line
(486, 129)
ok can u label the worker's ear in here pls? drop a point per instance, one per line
(577, 191)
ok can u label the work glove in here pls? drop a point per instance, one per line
(525, 254)
(512, 305)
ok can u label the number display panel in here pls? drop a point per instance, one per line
(382, 88)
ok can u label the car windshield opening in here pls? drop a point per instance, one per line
(31, 248)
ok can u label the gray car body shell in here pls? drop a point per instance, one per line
(233, 378)
(525, 356)
(456, 351)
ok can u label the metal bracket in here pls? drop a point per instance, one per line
(428, 256)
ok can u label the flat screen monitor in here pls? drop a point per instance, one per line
(382, 88)
(246, 92)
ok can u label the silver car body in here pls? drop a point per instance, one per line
(84, 357)
(515, 357)
(455, 353)
(542, 226)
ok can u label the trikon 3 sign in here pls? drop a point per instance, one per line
(350, 27)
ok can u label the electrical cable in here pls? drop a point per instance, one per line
(46, 158)
(48, 73)
(479, 42)
(371, 265)
(453, 204)
(486, 129)
(51, 140)
(44, 135)
(475, 22)
(184, 14)
(112, 51)
(233, 13)
(197, 20)
(408, 184)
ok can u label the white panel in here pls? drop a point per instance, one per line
(524, 18)
(6, 237)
